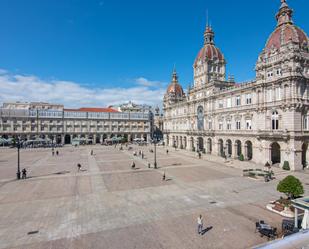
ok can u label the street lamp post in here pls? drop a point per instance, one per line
(18, 160)
(155, 150)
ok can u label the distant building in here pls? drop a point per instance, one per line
(132, 107)
(265, 120)
(43, 120)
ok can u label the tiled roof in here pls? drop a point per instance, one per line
(284, 34)
(209, 52)
(91, 109)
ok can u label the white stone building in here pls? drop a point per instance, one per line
(265, 120)
(43, 120)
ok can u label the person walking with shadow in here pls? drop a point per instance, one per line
(24, 173)
(166, 152)
(57, 153)
(79, 167)
(133, 165)
(200, 224)
(163, 177)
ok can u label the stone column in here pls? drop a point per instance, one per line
(94, 139)
(246, 152)
(234, 151)
(296, 218)
(218, 149)
(226, 151)
(62, 139)
(189, 144)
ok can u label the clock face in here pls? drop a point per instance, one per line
(200, 118)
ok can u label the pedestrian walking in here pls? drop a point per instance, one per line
(133, 165)
(200, 224)
(199, 155)
(166, 152)
(24, 173)
(142, 155)
(163, 177)
(148, 165)
(53, 153)
(79, 166)
(91, 153)
(57, 153)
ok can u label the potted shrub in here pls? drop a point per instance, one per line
(286, 165)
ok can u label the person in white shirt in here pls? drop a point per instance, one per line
(200, 224)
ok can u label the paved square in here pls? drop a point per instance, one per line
(109, 205)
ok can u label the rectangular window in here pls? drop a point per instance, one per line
(238, 125)
(248, 99)
(229, 103)
(221, 103)
(270, 95)
(209, 125)
(220, 125)
(238, 102)
(228, 125)
(305, 122)
(248, 124)
(278, 93)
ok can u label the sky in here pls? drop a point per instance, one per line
(105, 52)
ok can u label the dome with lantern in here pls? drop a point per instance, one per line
(174, 90)
(209, 51)
(286, 32)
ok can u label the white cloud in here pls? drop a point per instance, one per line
(15, 87)
(3, 71)
(148, 83)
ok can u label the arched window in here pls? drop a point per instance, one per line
(275, 120)
(305, 122)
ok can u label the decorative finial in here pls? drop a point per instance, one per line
(283, 1)
(175, 76)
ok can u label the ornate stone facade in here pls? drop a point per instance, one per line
(265, 120)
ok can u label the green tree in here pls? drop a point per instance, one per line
(291, 186)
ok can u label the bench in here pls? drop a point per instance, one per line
(278, 207)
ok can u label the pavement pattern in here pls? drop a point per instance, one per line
(109, 205)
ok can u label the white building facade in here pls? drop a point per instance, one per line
(30, 121)
(265, 120)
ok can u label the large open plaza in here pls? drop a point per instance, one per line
(109, 205)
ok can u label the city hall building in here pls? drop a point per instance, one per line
(265, 120)
(30, 121)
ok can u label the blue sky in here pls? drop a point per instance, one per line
(125, 47)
